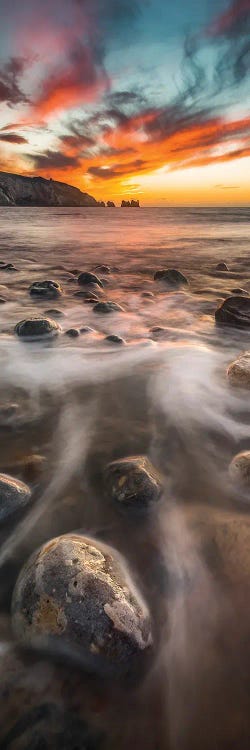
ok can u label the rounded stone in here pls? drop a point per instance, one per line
(171, 277)
(78, 592)
(87, 329)
(45, 289)
(55, 313)
(103, 269)
(32, 329)
(234, 311)
(14, 497)
(107, 307)
(89, 278)
(222, 267)
(239, 468)
(147, 295)
(239, 371)
(133, 483)
(239, 290)
(114, 339)
(87, 296)
(73, 333)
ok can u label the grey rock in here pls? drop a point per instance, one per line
(78, 592)
(114, 339)
(37, 328)
(73, 333)
(14, 497)
(45, 289)
(132, 483)
(173, 278)
(222, 267)
(87, 278)
(234, 311)
(107, 307)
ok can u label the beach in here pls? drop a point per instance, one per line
(127, 361)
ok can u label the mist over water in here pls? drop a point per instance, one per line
(84, 402)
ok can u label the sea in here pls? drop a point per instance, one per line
(78, 401)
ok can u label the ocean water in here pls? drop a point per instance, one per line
(81, 402)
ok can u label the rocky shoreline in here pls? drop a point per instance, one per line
(19, 190)
(124, 505)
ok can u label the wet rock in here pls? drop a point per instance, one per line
(107, 307)
(8, 267)
(90, 300)
(89, 278)
(45, 706)
(2, 301)
(234, 311)
(148, 295)
(87, 329)
(238, 290)
(77, 592)
(45, 289)
(171, 277)
(239, 371)
(114, 339)
(87, 295)
(14, 497)
(132, 483)
(73, 333)
(54, 313)
(222, 267)
(239, 469)
(32, 329)
(102, 269)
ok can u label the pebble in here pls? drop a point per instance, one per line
(114, 339)
(73, 333)
(239, 371)
(132, 482)
(89, 278)
(45, 289)
(107, 307)
(171, 277)
(239, 468)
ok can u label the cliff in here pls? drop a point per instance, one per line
(16, 190)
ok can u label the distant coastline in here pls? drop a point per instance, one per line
(20, 190)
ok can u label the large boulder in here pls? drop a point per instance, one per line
(32, 329)
(76, 592)
(14, 497)
(132, 483)
(234, 311)
(45, 289)
(86, 278)
(239, 371)
(171, 277)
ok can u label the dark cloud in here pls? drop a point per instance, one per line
(11, 74)
(117, 170)
(53, 160)
(12, 138)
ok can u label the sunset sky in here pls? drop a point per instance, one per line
(145, 99)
